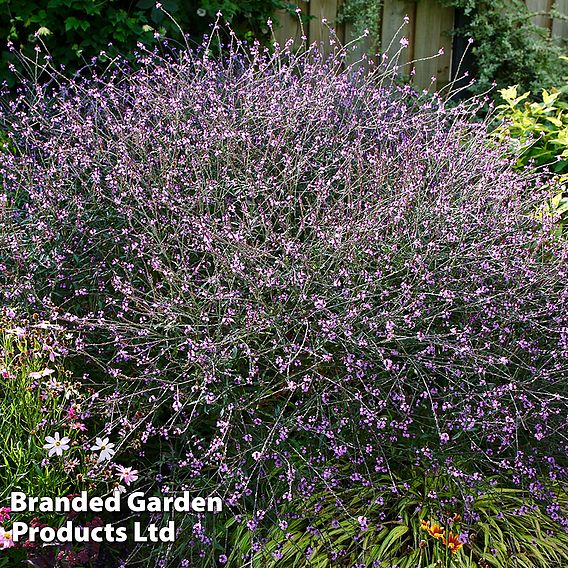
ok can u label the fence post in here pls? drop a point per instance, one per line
(394, 12)
(560, 27)
(434, 27)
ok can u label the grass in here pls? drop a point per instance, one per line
(499, 536)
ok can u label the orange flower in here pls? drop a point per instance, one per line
(436, 531)
(453, 542)
(425, 525)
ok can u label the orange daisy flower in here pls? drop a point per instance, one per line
(453, 542)
(425, 525)
(436, 531)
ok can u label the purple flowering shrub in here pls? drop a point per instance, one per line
(296, 277)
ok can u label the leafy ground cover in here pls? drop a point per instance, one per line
(299, 288)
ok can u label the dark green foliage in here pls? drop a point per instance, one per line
(509, 49)
(74, 31)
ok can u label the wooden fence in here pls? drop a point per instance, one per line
(429, 29)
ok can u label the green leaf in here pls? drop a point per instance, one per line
(395, 534)
(549, 98)
(157, 16)
(73, 23)
(509, 94)
(170, 5)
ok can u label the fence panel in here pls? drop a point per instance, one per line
(289, 25)
(542, 9)
(322, 10)
(559, 27)
(429, 28)
(394, 12)
(362, 46)
(433, 31)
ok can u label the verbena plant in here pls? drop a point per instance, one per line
(295, 279)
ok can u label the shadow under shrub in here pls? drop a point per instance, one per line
(295, 277)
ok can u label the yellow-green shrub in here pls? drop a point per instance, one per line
(538, 133)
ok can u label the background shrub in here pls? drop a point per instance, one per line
(540, 129)
(295, 278)
(74, 31)
(538, 134)
(509, 49)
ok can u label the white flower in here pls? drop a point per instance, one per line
(39, 374)
(105, 448)
(56, 445)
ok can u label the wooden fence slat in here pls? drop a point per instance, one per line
(560, 27)
(361, 47)
(394, 12)
(434, 24)
(289, 25)
(317, 31)
(543, 20)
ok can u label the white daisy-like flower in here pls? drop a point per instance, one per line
(56, 445)
(105, 448)
(40, 374)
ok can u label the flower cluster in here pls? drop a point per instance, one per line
(450, 540)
